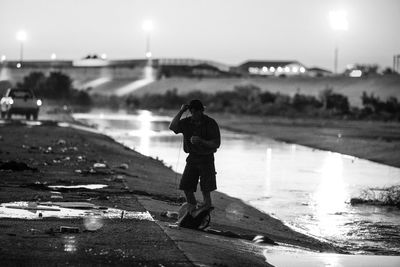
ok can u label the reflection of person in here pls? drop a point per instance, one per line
(201, 139)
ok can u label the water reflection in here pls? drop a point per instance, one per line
(31, 210)
(70, 243)
(330, 195)
(306, 188)
(144, 132)
(87, 186)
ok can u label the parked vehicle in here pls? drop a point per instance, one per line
(18, 101)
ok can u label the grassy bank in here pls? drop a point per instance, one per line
(381, 86)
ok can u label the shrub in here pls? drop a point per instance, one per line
(337, 103)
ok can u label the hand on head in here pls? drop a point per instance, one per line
(185, 107)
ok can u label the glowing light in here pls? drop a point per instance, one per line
(147, 26)
(148, 54)
(355, 73)
(3, 58)
(295, 69)
(287, 69)
(253, 70)
(53, 56)
(272, 69)
(104, 56)
(19, 65)
(39, 102)
(302, 69)
(264, 69)
(22, 36)
(338, 20)
(280, 69)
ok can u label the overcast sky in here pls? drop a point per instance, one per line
(227, 31)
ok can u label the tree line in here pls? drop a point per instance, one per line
(243, 99)
(55, 86)
(250, 99)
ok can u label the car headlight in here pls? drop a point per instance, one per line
(39, 102)
(10, 101)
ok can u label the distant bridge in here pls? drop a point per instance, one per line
(100, 76)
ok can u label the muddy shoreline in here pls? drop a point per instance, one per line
(66, 156)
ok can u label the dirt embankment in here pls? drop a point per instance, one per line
(43, 154)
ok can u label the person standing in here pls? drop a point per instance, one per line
(201, 139)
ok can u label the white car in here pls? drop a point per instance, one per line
(19, 101)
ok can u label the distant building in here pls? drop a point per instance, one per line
(271, 68)
(318, 72)
(169, 67)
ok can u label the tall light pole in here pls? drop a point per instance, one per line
(21, 37)
(338, 21)
(148, 28)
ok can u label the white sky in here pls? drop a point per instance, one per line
(228, 31)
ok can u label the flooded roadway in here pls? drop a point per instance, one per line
(307, 188)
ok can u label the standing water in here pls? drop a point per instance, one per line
(308, 189)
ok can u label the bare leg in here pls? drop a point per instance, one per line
(190, 198)
(207, 199)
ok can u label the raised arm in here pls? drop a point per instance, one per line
(173, 126)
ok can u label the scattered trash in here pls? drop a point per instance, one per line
(61, 142)
(69, 229)
(81, 158)
(263, 239)
(124, 166)
(173, 226)
(16, 166)
(47, 150)
(99, 166)
(170, 214)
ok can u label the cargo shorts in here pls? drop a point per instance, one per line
(198, 168)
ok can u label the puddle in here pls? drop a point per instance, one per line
(64, 210)
(87, 186)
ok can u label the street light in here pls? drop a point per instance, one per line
(338, 21)
(21, 37)
(148, 27)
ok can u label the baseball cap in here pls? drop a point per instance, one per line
(196, 105)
